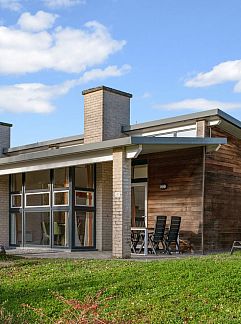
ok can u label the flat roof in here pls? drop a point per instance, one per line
(126, 129)
(109, 144)
(184, 118)
(45, 143)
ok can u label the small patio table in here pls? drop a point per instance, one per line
(145, 230)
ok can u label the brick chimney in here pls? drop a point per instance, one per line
(5, 130)
(106, 110)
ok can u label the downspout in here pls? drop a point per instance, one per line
(203, 196)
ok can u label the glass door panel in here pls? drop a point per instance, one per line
(61, 228)
(84, 229)
(139, 205)
(16, 228)
(37, 229)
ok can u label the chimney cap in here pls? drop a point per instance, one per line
(122, 93)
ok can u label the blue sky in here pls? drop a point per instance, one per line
(174, 56)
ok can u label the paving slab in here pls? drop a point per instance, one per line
(42, 253)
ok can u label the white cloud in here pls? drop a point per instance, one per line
(199, 104)
(38, 97)
(62, 3)
(110, 71)
(13, 5)
(146, 95)
(221, 73)
(62, 49)
(38, 22)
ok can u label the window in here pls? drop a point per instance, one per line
(183, 131)
(37, 180)
(37, 199)
(61, 178)
(84, 228)
(15, 228)
(37, 228)
(84, 198)
(61, 198)
(16, 201)
(61, 228)
(140, 171)
(16, 182)
(84, 176)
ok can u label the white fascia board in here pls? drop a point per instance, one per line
(59, 162)
(171, 129)
(215, 122)
(132, 152)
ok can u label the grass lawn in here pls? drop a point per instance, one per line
(191, 290)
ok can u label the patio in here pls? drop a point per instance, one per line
(89, 255)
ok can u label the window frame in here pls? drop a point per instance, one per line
(36, 193)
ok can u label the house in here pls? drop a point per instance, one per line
(86, 191)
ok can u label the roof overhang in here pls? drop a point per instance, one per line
(101, 152)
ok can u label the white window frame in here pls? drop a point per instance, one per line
(59, 191)
(13, 195)
(36, 193)
(93, 204)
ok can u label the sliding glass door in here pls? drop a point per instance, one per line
(53, 208)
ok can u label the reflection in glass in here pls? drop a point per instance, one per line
(138, 198)
(37, 199)
(84, 176)
(16, 201)
(84, 198)
(37, 180)
(61, 198)
(16, 182)
(61, 228)
(84, 227)
(16, 229)
(61, 178)
(37, 229)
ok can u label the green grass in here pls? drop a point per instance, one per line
(191, 290)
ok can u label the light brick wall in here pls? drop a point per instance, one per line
(4, 138)
(93, 117)
(106, 110)
(116, 114)
(4, 189)
(202, 129)
(4, 210)
(121, 204)
(104, 206)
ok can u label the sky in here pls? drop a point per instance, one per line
(174, 56)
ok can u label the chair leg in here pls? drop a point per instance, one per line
(236, 244)
(168, 250)
(177, 247)
(133, 248)
(153, 247)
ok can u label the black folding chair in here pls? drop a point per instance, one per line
(236, 245)
(157, 236)
(135, 239)
(173, 234)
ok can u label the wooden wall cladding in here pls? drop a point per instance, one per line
(222, 212)
(181, 170)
